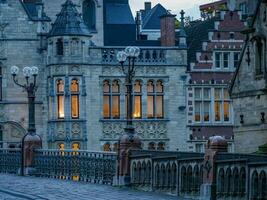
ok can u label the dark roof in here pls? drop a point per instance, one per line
(151, 18)
(69, 22)
(117, 13)
(197, 33)
(32, 12)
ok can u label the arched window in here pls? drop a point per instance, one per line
(161, 146)
(75, 105)
(107, 147)
(260, 55)
(89, 14)
(151, 146)
(157, 176)
(190, 179)
(111, 100)
(196, 179)
(60, 99)
(60, 47)
(228, 181)
(137, 100)
(75, 147)
(236, 181)
(155, 99)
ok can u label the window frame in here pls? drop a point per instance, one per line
(60, 94)
(75, 94)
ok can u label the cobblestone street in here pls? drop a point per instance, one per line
(14, 187)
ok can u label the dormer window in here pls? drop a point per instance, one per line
(59, 47)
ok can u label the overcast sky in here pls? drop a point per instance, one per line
(191, 7)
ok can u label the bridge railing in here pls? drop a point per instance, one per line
(10, 161)
(165, 171)
(94, 167)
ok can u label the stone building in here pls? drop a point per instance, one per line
(248, 89)
(213, 56)
(81, 96)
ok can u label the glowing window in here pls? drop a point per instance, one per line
(60, 99)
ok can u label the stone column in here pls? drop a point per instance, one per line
(215, 145)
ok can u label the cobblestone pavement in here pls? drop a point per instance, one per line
(14, 187)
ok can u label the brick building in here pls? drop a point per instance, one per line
(214, 50)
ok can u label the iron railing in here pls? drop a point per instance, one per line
(94, 167)
(10, 161)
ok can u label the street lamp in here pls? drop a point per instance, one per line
(129, 140)
(130, 53)
(30, 140)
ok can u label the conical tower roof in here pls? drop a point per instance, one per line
(69, 22)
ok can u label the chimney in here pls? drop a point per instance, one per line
(167, 23)
(148, 6)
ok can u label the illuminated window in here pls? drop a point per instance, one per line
(75, 148)
(60, 99)
(205, 99)
(155, 100)
(137, 100)
(75, 105)
(61, 146)
(111, 100)
(107, 147)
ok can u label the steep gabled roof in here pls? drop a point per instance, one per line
(69, 22)
(197, 33)
(119, 13)
(151, 19)
(32, 12)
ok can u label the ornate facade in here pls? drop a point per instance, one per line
(81, 95)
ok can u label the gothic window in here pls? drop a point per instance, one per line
(183, 180)
(228, 181)
(75, 147)
(89, 14)
(236, 181)
(107, 147)
(137, 100)
(74, 46)
(221, 182)
(151, 146)
(111, 100)
(259, 56)
(189, 179)
(61, 146)
(60, 99)
(155, 99)
(75, 105)
(59, 45)
(161, 146)
(1, 86)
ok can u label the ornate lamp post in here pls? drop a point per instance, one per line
(30, 140)
(129, 140)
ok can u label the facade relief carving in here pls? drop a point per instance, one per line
(146, 130)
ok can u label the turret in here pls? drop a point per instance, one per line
(69, 36)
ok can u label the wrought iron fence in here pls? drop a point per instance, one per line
(10, 161)
(94, 167)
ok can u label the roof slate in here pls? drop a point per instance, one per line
(119, 14)
(69, 22)
(151, 19)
